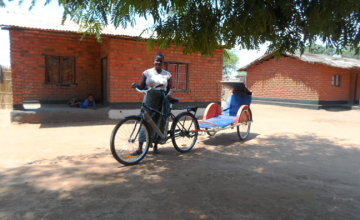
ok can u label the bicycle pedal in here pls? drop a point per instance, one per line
(128, 156)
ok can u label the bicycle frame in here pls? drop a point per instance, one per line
(145, 118)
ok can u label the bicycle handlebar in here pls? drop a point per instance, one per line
(151, 87)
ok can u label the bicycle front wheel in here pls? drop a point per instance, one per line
(182, 128)
(125, 141)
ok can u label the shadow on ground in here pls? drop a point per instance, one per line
(80, 124)
(285, 176)
(229, 138)
(341, 108)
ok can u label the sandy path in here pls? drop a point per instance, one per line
(297, 164)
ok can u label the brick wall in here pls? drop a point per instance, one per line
(333, 93)
(127, 61)
(28, 50)
(285, 79)
(291, 78)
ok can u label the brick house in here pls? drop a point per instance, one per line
(307, 81)
(50, 64)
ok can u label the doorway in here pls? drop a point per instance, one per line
(353, 88)
(104, 71)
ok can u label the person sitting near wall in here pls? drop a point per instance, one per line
(88, 103)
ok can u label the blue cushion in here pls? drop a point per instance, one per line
(219, 121)
(235, 101)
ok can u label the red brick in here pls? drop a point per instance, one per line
(295, 79)
(28, 66)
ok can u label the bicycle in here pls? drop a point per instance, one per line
(125, 136)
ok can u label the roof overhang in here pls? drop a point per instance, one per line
(103, 35)
(337, 62)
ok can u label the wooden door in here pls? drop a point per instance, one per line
(353, 87)
(104, 72)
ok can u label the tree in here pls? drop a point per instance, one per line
(241, 74)
(229, 62)
(200, 26)
(350, 54)
(319, 49)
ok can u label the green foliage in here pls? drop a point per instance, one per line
(349, 54)
(229, 62)
(240, 74)
(200, 26)
(319, 49)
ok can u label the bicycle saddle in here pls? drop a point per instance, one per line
(174, 100)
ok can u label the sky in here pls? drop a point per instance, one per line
(53, 10)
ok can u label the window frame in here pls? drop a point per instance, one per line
(59, 68)
(336, 80)
(176, 81)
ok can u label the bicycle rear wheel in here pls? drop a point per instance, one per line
(125, 140)
(181, 130)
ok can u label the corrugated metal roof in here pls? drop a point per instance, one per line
(32, 21)
(340, 62)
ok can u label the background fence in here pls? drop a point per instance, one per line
(5, 88)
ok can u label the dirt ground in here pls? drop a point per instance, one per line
(296, 164)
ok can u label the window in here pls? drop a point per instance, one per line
(179, 72)
(335, 80)
(60, 70)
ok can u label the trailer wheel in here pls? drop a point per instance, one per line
(244, 130)
(211, 133)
